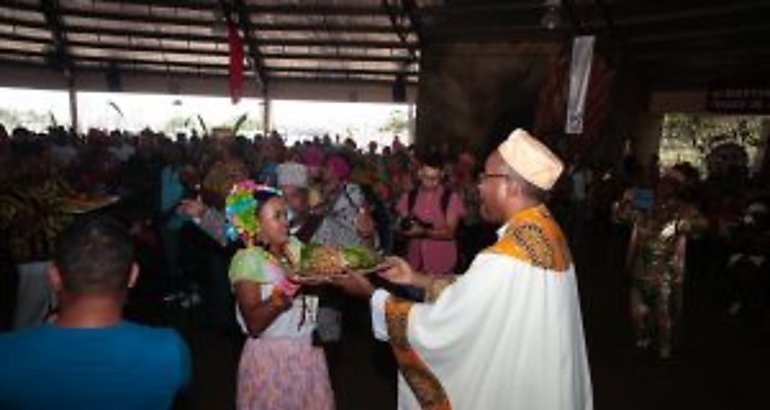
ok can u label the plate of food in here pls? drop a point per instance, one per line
(320, 263)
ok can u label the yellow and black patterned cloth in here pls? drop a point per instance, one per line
(534, 237)
(31, 217)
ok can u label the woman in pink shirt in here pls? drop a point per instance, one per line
(428, 218)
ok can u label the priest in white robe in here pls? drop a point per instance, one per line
(508, 333)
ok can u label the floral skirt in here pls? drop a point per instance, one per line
(283, 374)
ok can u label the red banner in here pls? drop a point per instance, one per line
(236, 63)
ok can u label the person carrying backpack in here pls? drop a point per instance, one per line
(428, 218)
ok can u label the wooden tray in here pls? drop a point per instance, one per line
(328, 278)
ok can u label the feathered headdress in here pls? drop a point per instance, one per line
(241, 210)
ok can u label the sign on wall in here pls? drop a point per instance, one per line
(739, 98)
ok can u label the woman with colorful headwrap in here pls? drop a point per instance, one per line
(279, 367)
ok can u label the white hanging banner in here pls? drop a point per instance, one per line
(579, 73)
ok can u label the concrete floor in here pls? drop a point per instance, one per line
(721, 362)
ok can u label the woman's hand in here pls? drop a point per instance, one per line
(287, 287)
(280, 301)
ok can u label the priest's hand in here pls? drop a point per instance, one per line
(399, 272)
(355, 285)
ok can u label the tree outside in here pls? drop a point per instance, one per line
(179, 123)
(397, 123)
(690, 138)
(33, 120)
(244, 124)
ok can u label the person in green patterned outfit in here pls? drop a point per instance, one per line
(656, 257)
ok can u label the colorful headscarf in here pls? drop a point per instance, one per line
(313, 156)
(339, 166)
(241, 210)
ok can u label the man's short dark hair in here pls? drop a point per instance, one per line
(94, 256)
(529, 189)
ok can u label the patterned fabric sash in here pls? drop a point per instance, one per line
(425, 385)
(534, 237)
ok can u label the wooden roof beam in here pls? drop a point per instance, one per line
(355, 80)
(198, 22)
(60, 57)
(310, 42)
(315, 9)
(339, 71)
(288, 9)
(393, 14)
(236, 15)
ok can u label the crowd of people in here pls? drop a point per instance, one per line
(226, 219)
(173, 194)
(681, 230)
(152, 173)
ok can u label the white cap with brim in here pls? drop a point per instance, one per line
(292, 174)
(531, 159)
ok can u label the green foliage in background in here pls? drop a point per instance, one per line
(397, 123)
(242, 124)
(690, 138)
(33, 120)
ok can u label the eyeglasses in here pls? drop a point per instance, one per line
(484, 175)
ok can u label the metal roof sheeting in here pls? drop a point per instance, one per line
(377, 40)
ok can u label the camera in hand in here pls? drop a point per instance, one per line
(409, 222)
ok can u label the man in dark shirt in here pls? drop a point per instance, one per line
(89, 357)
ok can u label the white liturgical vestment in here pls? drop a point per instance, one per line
(507, 334)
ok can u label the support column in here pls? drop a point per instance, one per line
(411, 124)
(73, 104)
(266, 112)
